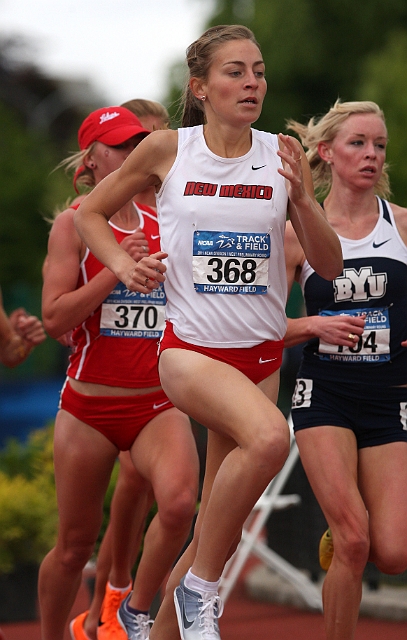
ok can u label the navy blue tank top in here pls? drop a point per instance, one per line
(373, 282)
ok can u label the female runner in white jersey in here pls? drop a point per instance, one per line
(223, 193)
(350, 403)
(112, 400)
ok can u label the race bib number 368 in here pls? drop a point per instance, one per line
(231, 262)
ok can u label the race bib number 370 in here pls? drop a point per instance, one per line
(127, 314)
(230, 262)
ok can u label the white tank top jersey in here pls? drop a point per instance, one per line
(222, 224)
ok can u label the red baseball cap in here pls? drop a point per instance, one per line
(110, 125)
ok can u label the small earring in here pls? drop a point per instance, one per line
(203, 98)
(329, 162)
(91, 165)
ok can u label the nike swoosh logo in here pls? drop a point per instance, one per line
(256, 168)
(187, 623)
(158, 406)
(261, 361)
(180, 609)
(154, 237)
(376, 246)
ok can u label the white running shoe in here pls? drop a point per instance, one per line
(136, 627)
(197, 614)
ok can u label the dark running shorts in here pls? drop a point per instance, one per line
(375, 415)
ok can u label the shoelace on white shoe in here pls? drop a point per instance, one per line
(144, 623)
(207, 617)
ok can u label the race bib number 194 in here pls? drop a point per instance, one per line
(372, 346)
(231, 262)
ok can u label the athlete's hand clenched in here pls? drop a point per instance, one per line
(339, 329)
(136, 245)
(147, 274)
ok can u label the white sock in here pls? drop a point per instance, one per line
(121, 589)
(201, 586)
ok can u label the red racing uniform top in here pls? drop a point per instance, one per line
(117, 344)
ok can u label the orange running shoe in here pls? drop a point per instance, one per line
(326, 550)
(109, 627)
(111, 630)
(77, 629)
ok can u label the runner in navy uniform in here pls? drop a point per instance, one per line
(350, 403)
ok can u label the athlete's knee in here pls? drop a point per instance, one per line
(392, 561)
(177, 511)
(271, 446)
(352, 546)
(74, 554)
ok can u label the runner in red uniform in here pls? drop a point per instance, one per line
(112, 378)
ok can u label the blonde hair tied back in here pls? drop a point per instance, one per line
(325, 129)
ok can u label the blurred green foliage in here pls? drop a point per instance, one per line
(24, 160)
(384, 81)
(28, 510)
(29, 192)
